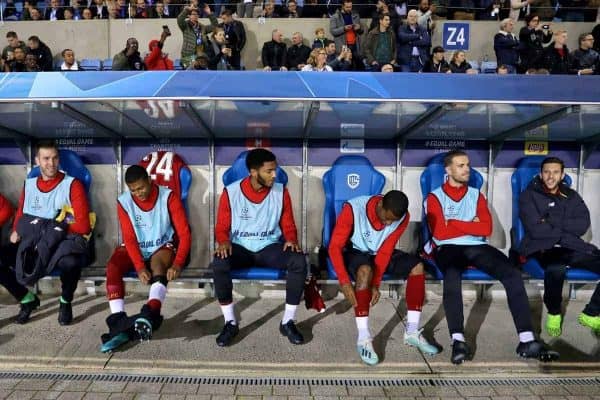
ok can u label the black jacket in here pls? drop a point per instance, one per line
(583, 59)
(40, 237)
(44, 56)
(297, 55)
(506, 48)
(431, 66)
(551, 220)
(532, 46)
(557, 64)
(274, 55)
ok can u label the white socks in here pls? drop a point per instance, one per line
(228, 313)
(458, 337)
(158, 291)
(362, 324)
(116, 305)
(526, 336)
(412, 321)
(289, 313)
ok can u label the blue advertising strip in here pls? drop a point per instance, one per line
(193, 151)
(287, 151)
(91, 150)
(417, 153)
(11, 154)
(513, 151)
(381, 153)
(257, 84)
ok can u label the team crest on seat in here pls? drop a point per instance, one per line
(353, 180)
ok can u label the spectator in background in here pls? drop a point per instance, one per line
(113, 11)
(556, 57)
(54, 12)
(596, 34)
(506, 46)
(13, 43)
(129, 59)
(269, 10)
(502, 70)
(413, 44)
(314, 9)
(520, 9)
(87, 14)
(297, 53)
(345, 27)
(383, 7)
(425, 15)
(380, 46)
(156, 60)
(17, 63)
(235, 37)
(31, 63)
(571, 11)
(76, 9)
(158, 11)
(69, 63)
(292, 10)
(437, 63)
(218, 52)
(194, 33)
(99, 9)
(170, 10)
(33, 14)
(532, 37)
(200, 63)
(320, 39)
(458, 63)
(387, 68)
(586, 60)
(141, 9)
(317, 61)
(274, 53)
(41, 52)
(341, 62)
(9, 13)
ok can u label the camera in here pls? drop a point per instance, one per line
(166, 30)
(546, 26)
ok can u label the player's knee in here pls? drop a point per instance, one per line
(364, 274)
(297, 263)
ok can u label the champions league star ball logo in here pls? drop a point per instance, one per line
(353, 180)
(244, 213)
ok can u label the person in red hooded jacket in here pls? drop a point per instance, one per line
(157, 60)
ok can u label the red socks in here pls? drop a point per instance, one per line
(415, 292)
(154, 305)
(363, 302)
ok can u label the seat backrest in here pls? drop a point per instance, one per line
(488, 67)
(238, 170)
(433, 177)
(167, 168)
(91, 64)
(527, 169)
(107, 64)
(71, 163)
(350, 176)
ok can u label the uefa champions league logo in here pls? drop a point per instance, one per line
(353, 180)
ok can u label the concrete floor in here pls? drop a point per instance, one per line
(185, 344)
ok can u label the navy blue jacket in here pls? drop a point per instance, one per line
(551, 220)
(407, 39)
(507, 49)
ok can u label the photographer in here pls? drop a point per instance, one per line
(129, 59)
(194, 33)
(532, 37)
(157, 60)
(218, 52)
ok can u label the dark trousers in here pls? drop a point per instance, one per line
(453, 259)
(69, 266)
(271, 256)
(555, 262)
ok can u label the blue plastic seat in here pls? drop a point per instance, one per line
(91, 64)
(488, 67)
(177, 64)
(474, 64)
(433, 177)
(350, 176)
(107, 64)
(527, 169)
(237, 171)
(72, 165)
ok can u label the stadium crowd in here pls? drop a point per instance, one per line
(398, 38)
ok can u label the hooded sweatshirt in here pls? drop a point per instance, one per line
(156, 61)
